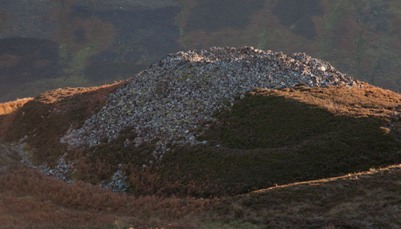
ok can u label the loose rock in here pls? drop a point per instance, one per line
(172, 98)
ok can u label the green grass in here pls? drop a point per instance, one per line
(269, 140)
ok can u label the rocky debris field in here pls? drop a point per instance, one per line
(169, 101)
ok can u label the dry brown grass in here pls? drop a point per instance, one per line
(362, 200)
(9, 107)
(363, 101)
(8, 111)
(46, 119)
(29, 198)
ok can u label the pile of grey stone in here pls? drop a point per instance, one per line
(169, 101)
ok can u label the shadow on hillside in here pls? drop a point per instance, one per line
(41, 122)
(269, 140)
(263, 140)
(8, 111)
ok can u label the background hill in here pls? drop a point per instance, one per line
(49, 44)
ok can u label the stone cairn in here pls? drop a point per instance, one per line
(169, 101)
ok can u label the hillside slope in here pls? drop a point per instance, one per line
(213, 138)
(363, 200)
(270, 137)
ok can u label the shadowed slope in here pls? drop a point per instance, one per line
(8, 112)
(43, 120)
(362, 200)
(268, 138)
(282, 136)
(31, 199)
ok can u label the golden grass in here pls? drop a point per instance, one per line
(9, 107)
(61, 94)
(363, 101)
(8, 112)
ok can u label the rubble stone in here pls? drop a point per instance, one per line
(171, 99)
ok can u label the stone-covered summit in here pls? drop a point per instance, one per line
(173, 98)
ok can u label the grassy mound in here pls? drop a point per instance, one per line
(270, 137)
(275, 137)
